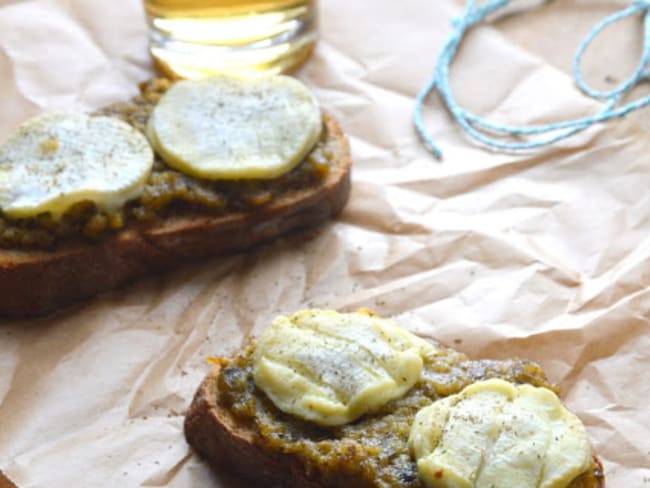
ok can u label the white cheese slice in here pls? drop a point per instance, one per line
(55, 160)
(330, 368)
(494, 434)
(226, 127)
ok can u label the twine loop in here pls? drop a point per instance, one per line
(492, 135)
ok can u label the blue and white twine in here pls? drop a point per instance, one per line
(492, 135)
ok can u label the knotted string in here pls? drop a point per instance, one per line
(488, 133)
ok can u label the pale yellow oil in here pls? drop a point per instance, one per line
(194, 38)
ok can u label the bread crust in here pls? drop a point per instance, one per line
(218, 437)
(228, 444)
(35, 283)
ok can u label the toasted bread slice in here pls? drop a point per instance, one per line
(37, 282)
(229, 443)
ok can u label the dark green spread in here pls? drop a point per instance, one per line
(372, 451)
(167, 192)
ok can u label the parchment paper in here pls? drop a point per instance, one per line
(543, 255)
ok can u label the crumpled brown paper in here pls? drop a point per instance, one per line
(544, 255)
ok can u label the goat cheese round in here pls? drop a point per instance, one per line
(226, 127)
(55, 160)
